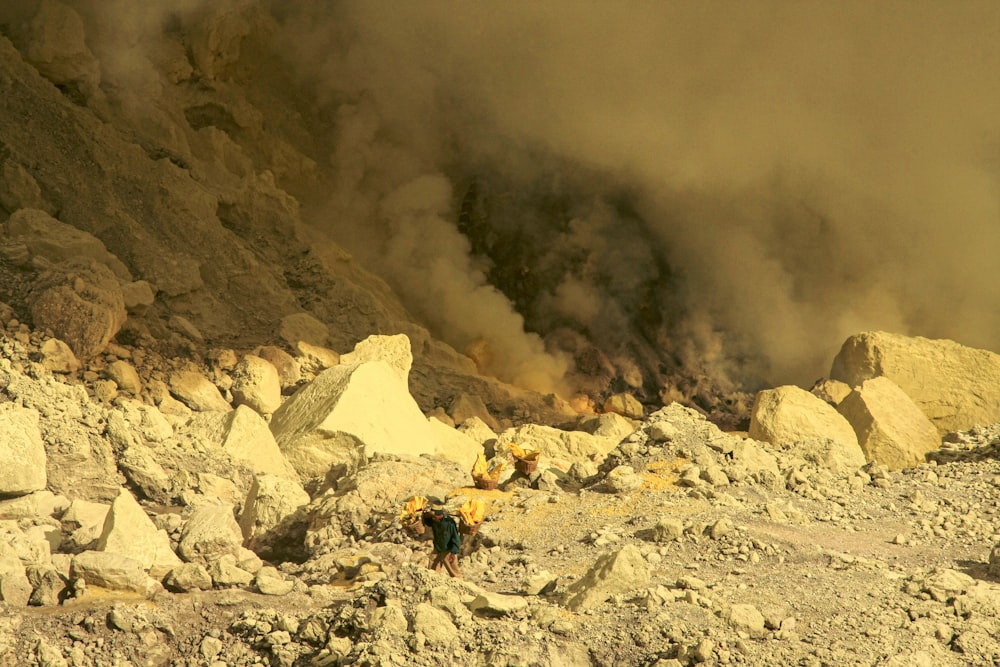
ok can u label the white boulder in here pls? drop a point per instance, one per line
(256, 384)
(348, 413)
(891, 429)
(956, 386)
(22, 456)
(129, 531)
(803, 423)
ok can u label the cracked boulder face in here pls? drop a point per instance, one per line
(81, 304)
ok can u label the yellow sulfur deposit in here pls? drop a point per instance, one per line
(412, 509)
(482, 471)
(472, 511)
(523, 454)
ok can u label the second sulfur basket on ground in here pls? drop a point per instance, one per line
(525, 460)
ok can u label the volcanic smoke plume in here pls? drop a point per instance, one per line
(627, 191)
(746, 184)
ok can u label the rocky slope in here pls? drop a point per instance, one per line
(685, 545)
(193, 148)
(211, 417)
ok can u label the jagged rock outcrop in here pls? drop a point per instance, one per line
(49, 240)
(804, 424)
(891, 429)
(55, 44)
(957, 387)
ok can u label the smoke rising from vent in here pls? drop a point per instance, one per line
(806, 170)
(729, 187)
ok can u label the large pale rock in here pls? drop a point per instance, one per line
(892, 430)
(434, 624)
(129, 531)
(612, 425)
(19, 189)
(313, 359)
(125, 376)
(613, 573)
(469, 406)
(271, 499)
(624, 404)
(747, 618)
(393, 350)
(143, 471)
(256, 384)
(84, 521)
(245, 436)
(55, 45)
(269, 581)
(188, 577)
(37, 504)
(81, 303)
(794, 418)
(139, 296)
(110, 570)
(478, 430)
(288, 369)
(56, 242)
(79, 461)
(831, 391)
(22, 452)
(58, 357)
(15, 589)
(210, 533)
(348, 413)
(956, 386)
(303, 327)
(197, 392)
(460, 448)
(558, 448)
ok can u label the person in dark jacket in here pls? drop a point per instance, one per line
(447, 540)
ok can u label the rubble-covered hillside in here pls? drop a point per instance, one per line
(219, 431)
(151, 517)
(197, 163)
